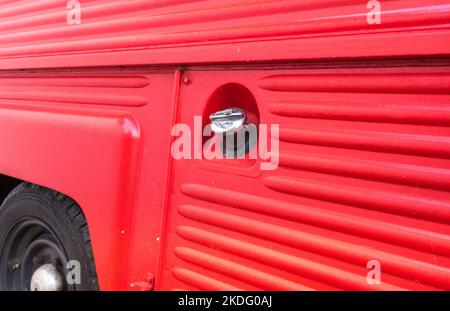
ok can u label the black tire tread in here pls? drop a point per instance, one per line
(67, 208)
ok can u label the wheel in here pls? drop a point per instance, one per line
(44, 242)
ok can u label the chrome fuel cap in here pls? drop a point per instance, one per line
(228, 121)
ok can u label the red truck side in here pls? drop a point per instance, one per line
(90, 92)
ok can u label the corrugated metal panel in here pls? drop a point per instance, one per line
(103, 90)
(364, 175)
(39, 28)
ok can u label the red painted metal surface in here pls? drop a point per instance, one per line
(364, 175)
(364, 154)
(140, 32)
(91, 136)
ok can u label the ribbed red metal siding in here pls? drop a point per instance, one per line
(364, 175)
(224, 30)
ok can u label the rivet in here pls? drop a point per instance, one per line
(187, 80)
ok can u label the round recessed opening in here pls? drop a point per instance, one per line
(235, 97)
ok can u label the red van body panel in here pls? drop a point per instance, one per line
(90, 137)
(363, 111)
(363, 175)
(36, 34)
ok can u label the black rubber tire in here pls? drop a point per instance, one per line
(61, 216)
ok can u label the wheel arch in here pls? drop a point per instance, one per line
(90, 157)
